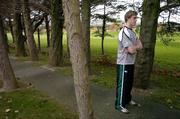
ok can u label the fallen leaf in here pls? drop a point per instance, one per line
(171, 107)
(7, 110)
(16, 111)
(178, 93)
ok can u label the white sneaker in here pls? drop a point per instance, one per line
(124, 110)
(133, 103)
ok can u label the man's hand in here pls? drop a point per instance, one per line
(138, 45)
(132, 49)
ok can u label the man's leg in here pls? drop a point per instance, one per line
(129, 82)
(120, 96)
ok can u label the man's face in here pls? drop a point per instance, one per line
(132, 21)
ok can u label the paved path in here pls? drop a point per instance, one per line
(61, 88)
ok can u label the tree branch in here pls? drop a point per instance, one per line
(169, 6)
(38, 23)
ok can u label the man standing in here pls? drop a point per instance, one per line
(128, 45)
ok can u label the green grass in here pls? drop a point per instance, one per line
(104, 75)
(165, 56)
(165, 88)
(168, 56)
(31, 104)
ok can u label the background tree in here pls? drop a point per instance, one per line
(86, 17)
(103, 27)
(109, 9)
(18, 30)
(145, 57)
(6, 71)
(47, 29)
(6, 41)
(56, 44)
(11, 28)
(78, 58)
(29, 31)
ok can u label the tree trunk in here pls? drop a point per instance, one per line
(29, 31)
(68, 52)
(78, 58)
(145, 57)
(56, 45)
(6, 71)
(11, 29)
(103, 28)
(6, 42)
(86, 12)
(39, 41)
(18, 36)
(47, 30)
(24, 29)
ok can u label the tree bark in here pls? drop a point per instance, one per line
(103, 28)
(145, 57)
(6, 42)
(6, 71)
(39, 40)
(56, 44)
(38, 24)
(29, 31)
(78, 58)
(47, 30)
(18, 36)
(86, 13)
(11, 29)
(68, 52)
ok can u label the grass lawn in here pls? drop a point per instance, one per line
(165, 87)
(166, 90)
(29, 103)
